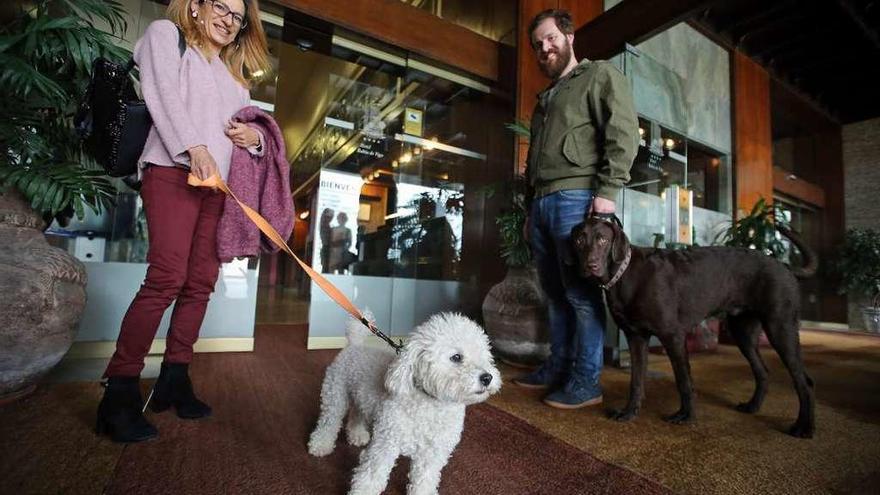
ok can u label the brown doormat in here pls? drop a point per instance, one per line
(499, 454)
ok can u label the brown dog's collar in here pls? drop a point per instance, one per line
(620, 270)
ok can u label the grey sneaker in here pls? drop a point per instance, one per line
(549, 375)
(576, 393)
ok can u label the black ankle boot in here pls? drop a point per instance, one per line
(120, 413)
(174, 388)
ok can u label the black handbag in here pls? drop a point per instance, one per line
(112, 120)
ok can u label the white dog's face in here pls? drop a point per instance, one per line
(447, 358)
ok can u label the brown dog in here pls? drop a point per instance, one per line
(665, 293)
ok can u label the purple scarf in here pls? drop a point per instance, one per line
(261, 182)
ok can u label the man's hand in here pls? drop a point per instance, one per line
(602, 205)
(201, 162)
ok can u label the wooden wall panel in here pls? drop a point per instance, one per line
(829, 160)
(798, 188)
(412, 29)
(582, 11)
(753, 155)
(529, 80)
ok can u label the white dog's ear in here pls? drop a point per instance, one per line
(399, 377)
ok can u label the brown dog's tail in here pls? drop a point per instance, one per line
(811, 261)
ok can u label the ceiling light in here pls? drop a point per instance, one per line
(394, 164)
(406, 157)
(670, 143)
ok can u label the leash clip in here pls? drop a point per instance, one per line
(378, 333)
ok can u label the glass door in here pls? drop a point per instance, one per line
(387, 154)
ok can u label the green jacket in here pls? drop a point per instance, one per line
(587, 136)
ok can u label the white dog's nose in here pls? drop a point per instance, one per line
(485, 379)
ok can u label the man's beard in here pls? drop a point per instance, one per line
(554, 69)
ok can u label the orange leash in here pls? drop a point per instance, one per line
(217, 183)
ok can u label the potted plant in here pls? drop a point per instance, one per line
(859, 267)
(46, 52)
(515, 310)
(757, 230)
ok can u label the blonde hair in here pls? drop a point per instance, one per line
(247, 55)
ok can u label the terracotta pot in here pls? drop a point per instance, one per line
(43, 294)
(515, 317)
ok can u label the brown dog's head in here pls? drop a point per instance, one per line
(598, 244)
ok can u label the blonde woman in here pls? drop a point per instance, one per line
(191, 98)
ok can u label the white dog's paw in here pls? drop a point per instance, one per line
(320, 447)
(358, 436)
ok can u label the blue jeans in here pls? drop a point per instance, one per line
(576, 307)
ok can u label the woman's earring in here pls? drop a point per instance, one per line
(195, 13)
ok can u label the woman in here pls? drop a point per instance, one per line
(191, 98)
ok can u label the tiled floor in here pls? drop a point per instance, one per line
(90, 370)
(281, 306)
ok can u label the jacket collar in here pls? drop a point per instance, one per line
(575, 72)
(580, 67)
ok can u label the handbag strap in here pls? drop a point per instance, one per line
(218, 183)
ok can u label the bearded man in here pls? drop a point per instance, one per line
(584, 137)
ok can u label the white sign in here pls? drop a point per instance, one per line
(336, 226)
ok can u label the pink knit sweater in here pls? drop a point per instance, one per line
(190, 99)
(261, 182)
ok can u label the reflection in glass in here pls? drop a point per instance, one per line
(666, 158)
(390, 167)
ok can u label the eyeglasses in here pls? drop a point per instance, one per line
(222, 10)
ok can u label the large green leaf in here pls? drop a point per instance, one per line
(46, 54)
(22, 78)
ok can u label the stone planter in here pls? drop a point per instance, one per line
(871, 318)
(515, 317)
(43, 294)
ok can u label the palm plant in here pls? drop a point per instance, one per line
(46, 53)
(514, 247)
(757, 230)
(859, 265)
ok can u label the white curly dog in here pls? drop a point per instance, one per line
(413, 403)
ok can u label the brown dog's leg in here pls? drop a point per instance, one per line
(785, 339)
(746, 330)
(638, 348)
(675, 348)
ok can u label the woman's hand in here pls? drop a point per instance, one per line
(201, 162)
(242, 135)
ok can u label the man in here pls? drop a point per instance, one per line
(584, 136)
